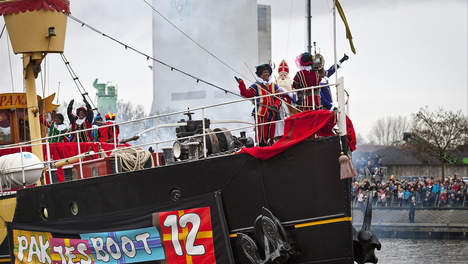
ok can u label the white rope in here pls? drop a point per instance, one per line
(132, 159)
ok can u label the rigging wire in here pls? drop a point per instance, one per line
(148, 57)
(77, 81)
(9, 60)
(3, 29)
(194, 41)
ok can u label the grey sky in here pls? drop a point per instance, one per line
(409, 53)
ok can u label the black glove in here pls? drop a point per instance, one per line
(345, 58)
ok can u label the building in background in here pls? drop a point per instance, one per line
(229, 30)
(106, 97)
(264, 33)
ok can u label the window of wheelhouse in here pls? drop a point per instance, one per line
(23, 125)
(5, 127)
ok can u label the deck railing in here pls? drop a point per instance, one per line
(48, 163)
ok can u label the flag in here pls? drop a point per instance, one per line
(348, 31)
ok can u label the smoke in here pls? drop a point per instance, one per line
(228, 30)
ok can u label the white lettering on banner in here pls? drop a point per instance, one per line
(126, 241)
(109, 243)
(81, 247)
(171, 221)
(69, 254)
(44, 247)
(194, 219)
(34, 250)
(143, 238)
(115, 248)
(58, 250)
(190, 248)
(68, 257)
(22, 245)
(99, 248)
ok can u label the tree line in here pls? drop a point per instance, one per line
(436, 133)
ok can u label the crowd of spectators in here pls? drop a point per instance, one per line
(428, 192)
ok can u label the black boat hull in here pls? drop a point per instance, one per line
(301, 186)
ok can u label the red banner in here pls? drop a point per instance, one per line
(188, 236)
(16, 6)
(300, 127)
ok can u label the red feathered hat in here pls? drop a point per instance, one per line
(283, 67)
(110, 116)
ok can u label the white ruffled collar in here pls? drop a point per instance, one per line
(80, 121)
(61, 127)
(260, 80)
(307, 68)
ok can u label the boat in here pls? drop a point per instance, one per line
(210, 198)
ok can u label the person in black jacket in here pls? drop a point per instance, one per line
(412, 209)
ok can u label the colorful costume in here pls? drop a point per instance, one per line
(325, 94)
(267, 107)
(81, 123)
(56, 130)
(304, 78)
(106, 134)
(97, 122)
(284, 84)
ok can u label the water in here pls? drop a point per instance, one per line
(422, 251)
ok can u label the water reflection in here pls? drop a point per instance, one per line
(422, 251)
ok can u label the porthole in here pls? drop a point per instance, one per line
(175, 194)
(74, 208)
(44, 213)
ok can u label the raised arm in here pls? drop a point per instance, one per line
(331, 70)
(71, 116)
(89, 111)
(45, 122)
(243, 90)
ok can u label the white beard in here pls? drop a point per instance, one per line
(285, 84)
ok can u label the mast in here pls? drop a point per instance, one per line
(309, 25)
(35, 31)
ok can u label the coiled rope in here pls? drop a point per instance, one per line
(132, 159)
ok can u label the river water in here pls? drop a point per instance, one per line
(422, 251)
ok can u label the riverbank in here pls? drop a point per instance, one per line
(429, 223)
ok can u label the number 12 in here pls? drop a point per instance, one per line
(190, 248)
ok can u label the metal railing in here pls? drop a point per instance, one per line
(48, 164)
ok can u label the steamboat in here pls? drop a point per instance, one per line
(214, 196)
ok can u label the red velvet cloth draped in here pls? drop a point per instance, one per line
(300, 127)
(14, 7)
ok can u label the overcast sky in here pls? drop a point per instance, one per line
(410, 54)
